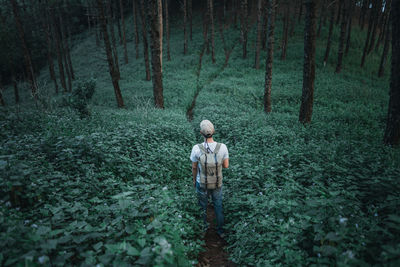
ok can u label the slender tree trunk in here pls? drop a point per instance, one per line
(113, 39)
(270, 55)
(365, 50)
(205, 30)
(300, 10)
(190, 17)
(16, 91)
(285, 32)
(235, 12)
(88, 10)
(123, 31)
(145, 43)
(349, 26)
(134, 7)
(47, 29)
(307, 97)
(27, 53)
(363, 12)
(329, 41)
(184, 27)
(392, 132)
(59, 53)
(377, 13)
(167, 28)
(71, 69)
(211, 15)
(97, 30)
(116, 16)
(64, 52)
(321, 15)
(264, 26)
(155, 15)
(259, 31)
(388, 39)
(244, 26)
(342, 37)
(339, 14)
(1, 95)
(111, 63)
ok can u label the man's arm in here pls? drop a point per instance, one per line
(194, 172)
(225, 163)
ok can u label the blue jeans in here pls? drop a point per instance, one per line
(216, 194)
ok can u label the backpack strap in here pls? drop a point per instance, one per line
(216, 167)
(202, 149)
(217, 147)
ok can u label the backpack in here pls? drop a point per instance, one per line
(211, 168)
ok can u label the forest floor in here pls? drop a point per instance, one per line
(101, 190)
(214, 253)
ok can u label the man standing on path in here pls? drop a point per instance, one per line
(207, 176)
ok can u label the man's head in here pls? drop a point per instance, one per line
(206, 128)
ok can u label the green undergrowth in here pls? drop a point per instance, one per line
(114, 188)
(324, 194)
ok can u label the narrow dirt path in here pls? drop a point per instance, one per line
(214, 253)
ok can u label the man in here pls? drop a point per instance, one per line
(207, 176)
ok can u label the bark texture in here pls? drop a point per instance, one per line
(392, 132)
(211, 16)
(135, 12)
(307, 97)
(270, 55)
(329, 41)
(244, 26)
(167, 28)
(145, 42)
(121, 6)
(156, 26)
(285, 31)
(111, 63)
(259, 31)
(27, 54)
(342, 37)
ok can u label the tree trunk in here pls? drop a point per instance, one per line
(205, 30)
(349, 26)
(47, 29)
(116, 16)
(244, 27)
(123, 31)
(307, 97)
(300, 10)
(111, 63)
(388, 39)
(156, 25)
(59, 53)
(377, 13)
(259, 31)
(270, 55)
(363, 12)
(184, 27)
(1, 95)
(285, 31)
(339, 14)
(329, 41)
(190, 17)
(365, 50)
(27, 53)
(321, 15)
(113, 39)
(134, 7)
(211, 16)
(264, 26)
(64, 52)
(342, 37)
(392, 132)
(145, 42)
(71, 69)
(167, 28)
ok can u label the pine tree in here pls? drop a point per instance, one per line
(270, 55)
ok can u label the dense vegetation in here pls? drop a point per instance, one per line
(91, 184)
